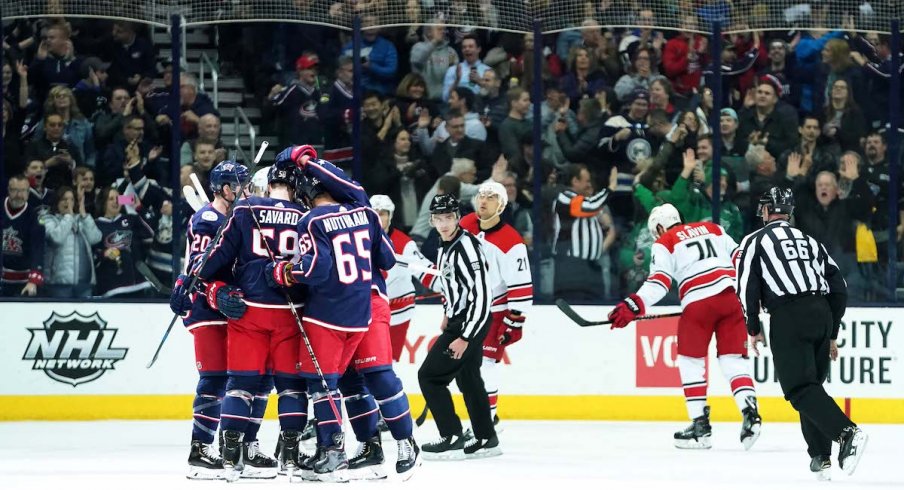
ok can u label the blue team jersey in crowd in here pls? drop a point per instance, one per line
(242, 249)
(202, 228)
(23, 243)
(340, 246)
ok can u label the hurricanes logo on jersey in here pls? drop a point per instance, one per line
(73, 349)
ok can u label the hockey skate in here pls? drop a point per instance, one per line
(750, 427)
(445, 448)
(331, 465)
(309, 434)
(409, 458)
(258, 466)
(288, 452)
(469, 433)
(204, 463)
(382, 426)
(821, 466)
(367, 463)
(697, 435)
(853, 443)
(482, 448)
(232, 454)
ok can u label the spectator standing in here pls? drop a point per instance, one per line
(493, 104)
(457, 145)
(406, 179)
(411, 99)
(582, 146)
(91, 91)
(516, 125)
(84, 179)
(59, 157)
(845, 124)
(432, 57)
(780, 65)
(54, 62)
(462, 100)
(583, 79)
(297, 106)
(685, 56)
(337, 114)
(77, 130)
(70, 234)
(119, 249)
(193, 106)
(379, 59)
(766, 118)
(640, 74)
(23, 242)
(877, 177)
(132, 56)
(130, 143)
(468, 72)
(815, 155)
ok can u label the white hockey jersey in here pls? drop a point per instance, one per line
(510, 274)
(696, 256)
(399, 285)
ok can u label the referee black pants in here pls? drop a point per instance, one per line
(439, 369)
(800, 332)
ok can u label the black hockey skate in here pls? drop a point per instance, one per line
(288, 452)
(821, 466)
(258, 466)
(409, 458)
(853, 443)
(309, 434)
(331, 465)
(232, 454)
(482, 448)
(204, 463)
(446, 448)
(750, 427)
(697, 435)
(367, 463)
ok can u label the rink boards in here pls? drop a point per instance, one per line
(71, 361)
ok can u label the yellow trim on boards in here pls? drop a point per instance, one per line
(512, 407)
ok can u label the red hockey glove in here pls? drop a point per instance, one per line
(513, 321)
(300, 151)
(279, 274)
(626, 311)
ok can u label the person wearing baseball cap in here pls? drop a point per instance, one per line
(297, 104)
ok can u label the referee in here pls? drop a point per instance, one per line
(458, 351)
(792, 276)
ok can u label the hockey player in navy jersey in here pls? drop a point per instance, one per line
(370, 384)
(23, 242)
(263, 335)
(205, 316)
(342, 248)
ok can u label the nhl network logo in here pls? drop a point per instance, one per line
(73, 349)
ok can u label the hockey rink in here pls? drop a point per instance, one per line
(592, 455)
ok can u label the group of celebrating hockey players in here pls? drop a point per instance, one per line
(298, 288)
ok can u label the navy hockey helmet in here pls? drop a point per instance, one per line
(229, 173)
(444, 203)
(777, 200)
(309, 188)
(285, 172)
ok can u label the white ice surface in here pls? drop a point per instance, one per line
(542, 455)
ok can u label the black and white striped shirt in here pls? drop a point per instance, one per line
(578, 231)
(779, 262)
(467, 290)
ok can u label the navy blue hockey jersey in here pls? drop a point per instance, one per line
(202, 228)
(23, 243)
(242, 248)
(122, 236)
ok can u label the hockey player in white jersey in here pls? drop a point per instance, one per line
(399, 285)
(513, 291)
(697, 258)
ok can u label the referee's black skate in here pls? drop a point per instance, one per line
(697, 435)
(750, 427)
(204, 463)
(853, 443)
(258, 466)
(482, 448)
(367, 463)
(821, 466)
(409, 458)
(232, 454)
(445, 448)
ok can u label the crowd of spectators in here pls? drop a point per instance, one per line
(624, 125)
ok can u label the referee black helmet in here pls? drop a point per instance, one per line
(444, 203)
(777, 200)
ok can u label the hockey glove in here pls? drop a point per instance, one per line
(626, 311)
(513, 321)
(226, 299)
(279, 274)
(180, 299)
(295, 153)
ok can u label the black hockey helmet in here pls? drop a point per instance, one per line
(444, 203)
(283, 171)
(777, 200)
(309, 188)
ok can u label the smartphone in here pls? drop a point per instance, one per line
(125, 200)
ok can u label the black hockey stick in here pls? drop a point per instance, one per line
(210, 246)
(419, 421)
(148, 274)
(583, 322)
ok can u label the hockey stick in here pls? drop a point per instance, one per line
(196, 182)
(146, 272)
(416, 267)
(191, 197)
(298, 323)
(583, 322)
(207, 251)
(419, 421)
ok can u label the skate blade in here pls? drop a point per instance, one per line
(232, 475)
(338, 476)
(750, 440)
(850, 463)
(454, 455)
(824, 475)
(702, 443)
(252, 473)
(375, 472)
(407, 474)
(485, 453)
(197, 473)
